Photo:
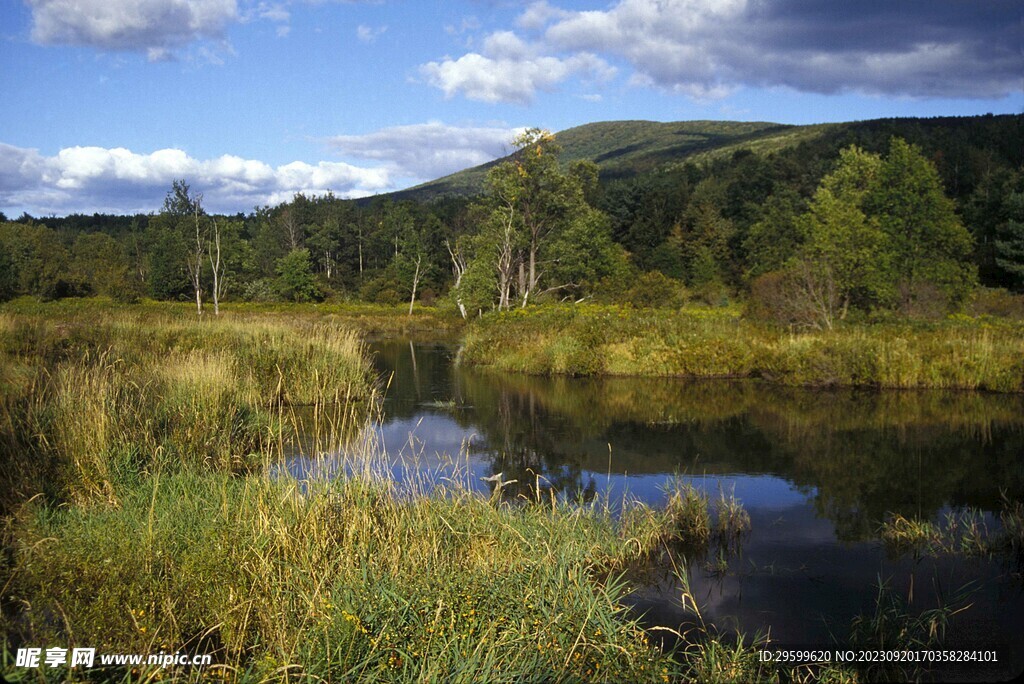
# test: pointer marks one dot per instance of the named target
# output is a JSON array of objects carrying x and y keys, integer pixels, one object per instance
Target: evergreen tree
[{"x": 1009, "y": 242}]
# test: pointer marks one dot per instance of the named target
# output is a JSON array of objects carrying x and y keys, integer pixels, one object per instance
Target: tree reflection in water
[{"x": 817, "y": 470}]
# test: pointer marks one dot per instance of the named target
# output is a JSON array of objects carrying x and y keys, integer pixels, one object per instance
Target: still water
[{"x": 817, "y": 471}]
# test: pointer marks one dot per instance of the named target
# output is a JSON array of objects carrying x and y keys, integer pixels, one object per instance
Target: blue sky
[{"x": 108, "y": 101}]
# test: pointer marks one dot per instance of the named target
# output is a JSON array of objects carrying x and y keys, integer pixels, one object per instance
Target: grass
[
  {"x": 962, "y": 532},
  {"x": 958, "y": 353},
  {"x": 347, "y": 579},
  {"x": 140, "y": 516},
  {"x": 891, "y": 626},
  {"x": 365, "y": 318},
  {"x": 94, "y": 397}
]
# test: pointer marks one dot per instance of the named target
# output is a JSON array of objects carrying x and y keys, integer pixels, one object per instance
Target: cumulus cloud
[
  {"x": 703, "y": 48},
  {"x": 117, "y": 180},
  {"x": 706, "y": 49},
  {"x": 508, "y": 69},
  {"x": 151, "y": 26},
  {"x": 156, "y": 28},
  {"x": 538, "y": 14},
  {"x": 426, "y": 151}
]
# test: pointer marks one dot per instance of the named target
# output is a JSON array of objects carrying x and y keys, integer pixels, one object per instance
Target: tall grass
[
  {"x": 140, "y": 516},
  {"x": 960, "y": 353},
  {"x": 342, "y": 580},
  {"x": 107, "y": 395},
  {"x": 963, "y": 532},
  {"x": 161, "y": 528}
]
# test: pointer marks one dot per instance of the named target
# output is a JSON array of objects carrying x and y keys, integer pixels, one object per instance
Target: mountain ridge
[{"x": 629, "y": 148}]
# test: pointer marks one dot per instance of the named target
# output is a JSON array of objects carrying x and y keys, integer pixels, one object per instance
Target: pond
[{"x": 818, "y": 471}]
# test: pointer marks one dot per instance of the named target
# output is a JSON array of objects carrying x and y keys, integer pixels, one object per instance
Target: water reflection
[
  {"x": 817, "y": 471},
  {"x": 855, "y": 454}
]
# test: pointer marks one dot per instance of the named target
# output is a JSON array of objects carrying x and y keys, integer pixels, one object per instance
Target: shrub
[
  {"x": 655, "y": 289},
  {"x": 996, "y": 302},
  {"x": 295, "y": 278}
]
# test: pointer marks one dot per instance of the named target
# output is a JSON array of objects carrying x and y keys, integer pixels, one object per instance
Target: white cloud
[
  {"x": 153, "y": 26},
  {"x": 86, "y": 179},
  {"x": 156, "y": 28},
  {"x": 422, "y": 152},
  {"x": 367, "y": 34},
  {"x": 707, "y": 48},
  {"x": 273, "y": 12},
  {"x": 89, "y": 179},
  {"x": 539, "y": 14},
  {"x": 508, "y": 69}
]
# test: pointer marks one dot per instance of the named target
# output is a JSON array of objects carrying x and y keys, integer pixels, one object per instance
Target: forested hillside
[{"x": 901, "y": 214}]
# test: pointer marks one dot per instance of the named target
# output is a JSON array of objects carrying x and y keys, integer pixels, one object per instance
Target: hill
[{"x": 625, "y": 149}]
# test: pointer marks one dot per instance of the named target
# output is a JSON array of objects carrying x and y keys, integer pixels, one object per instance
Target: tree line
[{"x": 808, "y": 234}]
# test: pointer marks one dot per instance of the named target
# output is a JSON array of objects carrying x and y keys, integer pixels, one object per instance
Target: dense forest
[{"x": 904, "y": 215}]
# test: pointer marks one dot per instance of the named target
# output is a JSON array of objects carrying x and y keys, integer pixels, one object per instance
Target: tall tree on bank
[
  {"x": 928, "y": 244},
  {"x": 185, "y": 211},
  {"x": 843, "y": 245},
  {"x": 877, "y": 233},
  {"x": 1009, "y": 241},
  {"x": 538, "y": 233},
  {"x": 537, "y": 198}
]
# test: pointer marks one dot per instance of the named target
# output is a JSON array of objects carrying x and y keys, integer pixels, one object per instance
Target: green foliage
[
  {"x": 295, "y": 278},
  {"x": 841, "y": 240},
  {"x": 40, "y": 261},
  {"x": 877, "y": 232},
  {"x": 711, "y": 203},
  {"x": 1009, "y": 242},
  {"x": 776, "y": 236},
  {"x": 703, "y": 238},
  {"x": 926, "y": 240},
  {"x": 650, "y": 289},
  {"x": 385, "y": 288},
  {"x": 8, "y": 275},
  {"x": 584, "y": 255},
  {"x": 539, "y": 235},
  {"x": 702, "y": 342},
  {"x": 101, "y": 263},
  {"x": 168, "y": 278}
]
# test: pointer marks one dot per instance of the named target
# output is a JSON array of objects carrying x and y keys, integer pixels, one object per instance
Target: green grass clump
[
  {"x": 348, "y": 579},
  {"x": 964, "y": 532},
  {"x": 687, "y": 509},
  {"x": 959, "y": 353},
  {"x": 104, "y": 396},
  {"x": 160, "y": 527}
]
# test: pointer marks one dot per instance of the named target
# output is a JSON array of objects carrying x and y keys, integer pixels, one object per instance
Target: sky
[{"x": 107, "y": 102}]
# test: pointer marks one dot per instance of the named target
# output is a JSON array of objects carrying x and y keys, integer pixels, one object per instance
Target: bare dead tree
[
  {"x": 215, "y": 266},
  {"x": 195, "y": 259},
  {"x": 506, "y": 254},
  {"x": 415, "y": 281},
  {"x": 815, "y": 299},
  {"x": 291, "y": 228},
  {"x": 458, "y": 269}
]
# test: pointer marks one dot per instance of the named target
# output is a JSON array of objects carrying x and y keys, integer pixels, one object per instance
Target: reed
[
  {"x": 163, "y": 526},
  {"x": 963, "y": 532},
  {"x": 958, "y": 353}
]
